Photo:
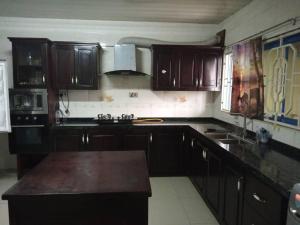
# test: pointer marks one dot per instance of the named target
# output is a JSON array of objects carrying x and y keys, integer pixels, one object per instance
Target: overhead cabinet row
[
  {"x": 40, "y": 63},
  {"x": 187, "y": 68}
]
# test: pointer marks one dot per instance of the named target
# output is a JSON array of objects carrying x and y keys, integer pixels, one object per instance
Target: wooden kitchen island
[{"x": 83, "y": 188}]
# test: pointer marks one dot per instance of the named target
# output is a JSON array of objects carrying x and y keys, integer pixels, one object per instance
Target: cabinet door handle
[
  {"x": 43, "y": 78},
  {"x": 82, "y": 139},
  {"x": 192, "y": 143},
  {"x": 76, "y": 80},
  {"x": 183, "y": 137},
  {"x": 163, "y": 71},
  {"x": 174, "y": 82},
  {"x": 197, "y": 82},
  {"x": 72, "y": 80},
  {"x": 239, "y": 183},
  {"x": 204, "y": 154},
  {"x": 258, "y": 198},
  {"x": 150, "y": 138},
  {"x": 87, "y": 139}
]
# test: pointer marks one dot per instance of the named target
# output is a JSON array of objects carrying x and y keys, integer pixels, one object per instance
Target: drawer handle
[
  {"x": 258, "y": 198},
  {"x": 294, "y": 212}
]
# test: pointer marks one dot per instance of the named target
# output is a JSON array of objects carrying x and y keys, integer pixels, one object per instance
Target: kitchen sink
[
  {"x": 229, "y": 141},
  {"x": 217, "y": 135}
]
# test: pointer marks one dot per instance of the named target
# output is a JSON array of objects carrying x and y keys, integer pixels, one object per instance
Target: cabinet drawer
[
  {"x": 263, "y": 199},
  {"x": 250, "y": 217}
]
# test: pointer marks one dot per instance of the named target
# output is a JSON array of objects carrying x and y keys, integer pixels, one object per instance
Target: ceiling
[{"x": 186, "y": 11}]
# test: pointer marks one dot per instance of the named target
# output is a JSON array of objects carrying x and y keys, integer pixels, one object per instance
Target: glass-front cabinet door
[{"x": 30, "y": 60}]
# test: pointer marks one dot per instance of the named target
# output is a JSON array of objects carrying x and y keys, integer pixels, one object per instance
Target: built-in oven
[
  {"x": 28, "y": 101},
  {"x": 29, "y": 133}
]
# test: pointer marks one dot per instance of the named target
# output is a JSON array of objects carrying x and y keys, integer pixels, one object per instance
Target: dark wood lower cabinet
[
  {"x": 67, "y": 140},
  {"x": 233, "y": 193},
  {"x": 251, "y": 217},
  {"x": 234, "y": 196},
  {"x": 166, "y": 152},
  {"x": 199, "y": 165},
  {"x": 102, "y": 140},
  {"x": 213, "y": 181}
]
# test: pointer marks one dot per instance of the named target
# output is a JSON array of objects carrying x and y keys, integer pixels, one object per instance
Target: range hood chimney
[{"x": 125, "y": 60}]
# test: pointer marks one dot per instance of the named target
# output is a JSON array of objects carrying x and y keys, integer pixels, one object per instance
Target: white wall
[
  {"x": 257, "y": 16},
  {"x": 114, "y": 94}
]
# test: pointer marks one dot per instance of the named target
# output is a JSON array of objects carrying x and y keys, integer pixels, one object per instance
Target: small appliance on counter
[
  {"x": 293, "y": 214},
  {"x": 263, "y": 135}
]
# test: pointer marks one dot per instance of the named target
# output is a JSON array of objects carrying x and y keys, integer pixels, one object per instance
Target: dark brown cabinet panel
[
  {"x": 86, "y": 66},
  {"x": 199, "y": 165},
  {"x": 68, "y": 140},
  {"x": 213, "y": 181},
  {"x": 187, "y": 68},
  {"x": 63, "y": 62},
  {"x": 188, "y": 77},
  {"x": 164, "y": 63},
  {"x": 30, "y": 62},
  {"x": 75, "y": 65},
  {"x": 211, "y": 70},
  {"x": 233, "y": 189},
  {"x": 251, "y": 217},
  {"x": 102, "y": 140},
  {"x": 166, "y": 152},
  {"x": 264, "y": 200}
]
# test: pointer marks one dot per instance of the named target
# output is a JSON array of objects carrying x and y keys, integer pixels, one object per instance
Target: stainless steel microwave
[{"x": 28, "y": 101}]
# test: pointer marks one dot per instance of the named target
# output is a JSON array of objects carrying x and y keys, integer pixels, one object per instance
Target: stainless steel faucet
[{"x": 244, "y": 135}]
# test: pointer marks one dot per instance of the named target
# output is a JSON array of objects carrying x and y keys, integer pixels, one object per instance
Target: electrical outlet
[{"x": 133, "y": 94}]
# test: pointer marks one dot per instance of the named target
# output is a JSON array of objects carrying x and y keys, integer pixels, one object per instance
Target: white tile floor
[{"x": 174, "y": 201}]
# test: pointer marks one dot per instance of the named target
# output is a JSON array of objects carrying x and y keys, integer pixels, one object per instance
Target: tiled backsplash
[{"x": 113, "y": 97}]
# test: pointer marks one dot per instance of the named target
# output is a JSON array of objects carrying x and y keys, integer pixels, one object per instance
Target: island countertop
[{"x": 104, "y": 173}]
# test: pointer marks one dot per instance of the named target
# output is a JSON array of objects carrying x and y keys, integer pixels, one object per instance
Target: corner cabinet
[
  {"x": 186, "y": 68},
  {"x": 75, "y": 65}
]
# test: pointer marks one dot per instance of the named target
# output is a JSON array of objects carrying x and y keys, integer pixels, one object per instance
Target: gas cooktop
[{"x": 108, "y": 118}]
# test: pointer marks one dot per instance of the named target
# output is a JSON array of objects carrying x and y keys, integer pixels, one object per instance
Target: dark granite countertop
[{"x": 276, "y": 163}]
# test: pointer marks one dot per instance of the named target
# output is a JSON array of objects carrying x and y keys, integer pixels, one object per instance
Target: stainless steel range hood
[{"x": 125, "y": 60}]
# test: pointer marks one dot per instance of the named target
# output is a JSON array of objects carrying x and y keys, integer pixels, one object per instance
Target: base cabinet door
[
  {"x": 68, "y": 140},
  {"x": 251, "y": 217},
  {"x": 166, "y": 152},
  {"x": 213, "y": 181},
  {"x": 199, "y": 165},
  {"x": 137, "y": 140},
  {"x": 102, "y": 140},
  {"x": 233, "y": 185}
]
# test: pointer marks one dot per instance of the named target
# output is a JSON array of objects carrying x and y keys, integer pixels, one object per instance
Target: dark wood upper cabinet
[
  {"x": 75, "y": 65},
  {"x": 30, "y": 62},
  {"x": 187, "y": 68},
  {"x": 210, "y": 77},
  {"x": 164, "y": 62},
  {"x": 86, "y": 66},
  {"x": 188, "y": 77},
  {"x": 63, "y": 62}
]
